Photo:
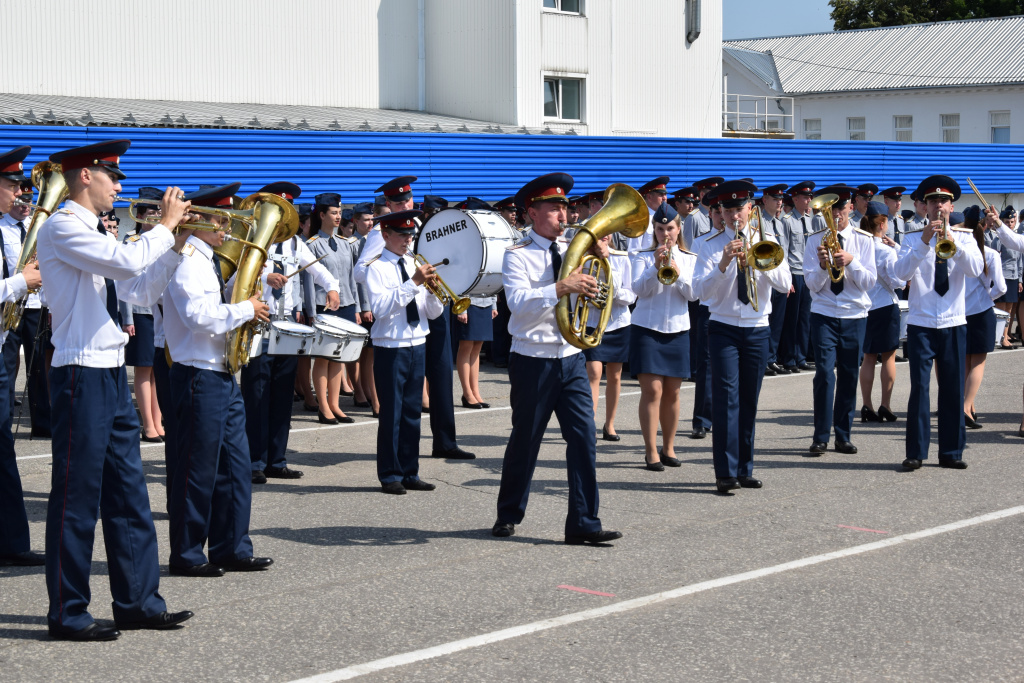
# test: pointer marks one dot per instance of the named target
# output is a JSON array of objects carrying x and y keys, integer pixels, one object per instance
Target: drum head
[
  {"x": 333, "y": 323},
  {"x": 293, "y": 328},
  {"x": 454, "y": 235}
]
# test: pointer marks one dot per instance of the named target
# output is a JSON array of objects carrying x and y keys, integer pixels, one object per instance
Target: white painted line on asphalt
[{"x": 636, "y": 603}]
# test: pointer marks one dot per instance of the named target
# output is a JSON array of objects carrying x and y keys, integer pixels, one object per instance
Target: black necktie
[
  {"x": 803, "y": 221},
  {"x": 412, "y": 314},
  {"x": 941, "y": 276},
  {"x": 21, "y": 226},
  {"x": 111, "y": 289},
  {"x": 332, "y": 243},
  {"x": 3, "y": 253},
  {"x": 556, "y": 260},
  {"x": 278, "y": 268},
  {"x": 215, "y": 260},
  {"x": 741, "y": 283},
  {"x": 837, "y": 287}
]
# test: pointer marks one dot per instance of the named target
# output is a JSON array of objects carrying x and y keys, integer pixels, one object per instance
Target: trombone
[
  {"x": 440, "y": 288},
  {"x": 245, "y": 217}
]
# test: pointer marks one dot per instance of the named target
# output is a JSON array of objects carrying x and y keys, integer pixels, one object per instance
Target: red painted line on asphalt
[
  {"x": 587, "y": 591},
  {"x": 858, "y": 528}
]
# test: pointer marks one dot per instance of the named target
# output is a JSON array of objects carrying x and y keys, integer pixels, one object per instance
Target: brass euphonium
[
  {"x": 48, "y": 180},
  {"x": 624, "y": 211},
  {"x": 830, "y": 240},
  {"x": 944, "y": 247},
  {"x": 763, "y": 255}
]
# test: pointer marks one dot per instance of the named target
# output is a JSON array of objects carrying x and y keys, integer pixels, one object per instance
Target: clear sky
[{"x": 760, "y": 18}]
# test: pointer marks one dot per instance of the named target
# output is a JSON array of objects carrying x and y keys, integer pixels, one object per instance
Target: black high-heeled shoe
[
  {"x": 474, "y": 406},
  {"x": 346, "y": 393},
  {"x": 868, "y": 415},
  {"x": 668, "y": 459},
  {"x": 886, "y": 414},
  {"x": 971, "y": 422},
  {"x": 326, "y": 420},
  {"x": 609, "y": 437},
  {"x": 654, "y": 466},
  {"x": 483, "y": 404}
]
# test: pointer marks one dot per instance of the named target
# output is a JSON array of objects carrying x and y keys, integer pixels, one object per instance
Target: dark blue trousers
[
  {"x": 541, "y": 386},
  {"x": 738, "y": 359},
  {"x": 162, "y": 379},
  {"x": 838, "y": 343},
  {"x": 793, "y": 345},
  {"x": 268, "y": 383},
  {"x": 25, "y": 338},
  {"x": 439, "y": 368},
  {"x": 776, "y": 323},
  {"x": 211, "y": 494},
  {"x": 701, "y": 370},
  {"x": 948, "y": 346},
  {"x": 398, "y": 375},
  {"x": 13, "y": 518},
  {"x": 502, "y": 340},
  {"x": 97, "y": 472}
]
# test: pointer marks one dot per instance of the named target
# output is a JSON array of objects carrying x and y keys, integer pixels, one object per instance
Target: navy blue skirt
[
  {"x": 882, "y": 333},
  {"x": 478, "y": 326},
  {"x": 1011, "y": 292},
  {"x": 981, "y": 332},
  {"x": 346, "y": 312},
  {"x": 659, "y": 353},
  {"x": 139, "y": 351},
  {"x": 614, "y": 346}
]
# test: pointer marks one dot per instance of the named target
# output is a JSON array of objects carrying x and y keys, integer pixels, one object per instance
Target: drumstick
[
  {"x": 978, "y": 195},
  {"x": 289, "y": 277}
]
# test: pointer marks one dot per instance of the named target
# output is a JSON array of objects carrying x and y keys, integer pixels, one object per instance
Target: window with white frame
[
  {"x": 999, "y": 121},
  {"x": 563, "y": 98},
  {"x": 855, "y": 128},
  {"x": 903, "y": 128},
  {"x": 950, "y": 127},
  {"x": 812, "y": 129},
  {"x": 568, "y": 6}
]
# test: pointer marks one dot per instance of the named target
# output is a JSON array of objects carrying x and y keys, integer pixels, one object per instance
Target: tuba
[
  {"x": 47, "y": 178},
  {"x": 624, "y": 211},
  {"x": 830, "y": 240},
  {"x": 274, "y": 220}
]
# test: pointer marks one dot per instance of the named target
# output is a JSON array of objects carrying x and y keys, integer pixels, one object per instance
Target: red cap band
[
  {"x": 74, "y": 163},
  {"x": 12, "y": 168},
  {"x": 398, "y": 190}
]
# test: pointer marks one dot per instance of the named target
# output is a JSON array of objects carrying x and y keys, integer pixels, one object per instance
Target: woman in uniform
[
  {"x": 979, "y": 294},
  {"x": 472, "y": 329}
]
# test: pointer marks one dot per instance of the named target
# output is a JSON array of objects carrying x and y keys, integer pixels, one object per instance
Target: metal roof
[
  {"x": 98, "y": 111},
  {"x": 760, "y": 64},
  {"x": 944, "y": 54}
]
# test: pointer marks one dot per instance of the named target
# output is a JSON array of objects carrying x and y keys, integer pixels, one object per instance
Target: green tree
[{"x": 851, "y": 14}]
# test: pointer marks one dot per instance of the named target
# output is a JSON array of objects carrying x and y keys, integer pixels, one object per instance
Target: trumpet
[
  {"x": 440, "y": 288},
  {"x": 944, "y": 247},
  {"x": 667, "y": 273}
]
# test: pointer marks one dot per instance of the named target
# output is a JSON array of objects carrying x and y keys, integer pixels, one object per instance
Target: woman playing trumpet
[{"x": 659, "y": 342}]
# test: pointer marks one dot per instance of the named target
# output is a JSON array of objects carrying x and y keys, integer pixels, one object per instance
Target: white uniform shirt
[
  {"x": 855, "y": 299},
  {"x": 12, "y": 250},
  {"x": 74, "y": 259},
  {"x": 884, "y": 292},
  {"x": 294, "y": 255},
  {"x": 389, "y": 296},
  {"x": 196, "y": 321},
  {"x": 623, "y": 295},
  {"x": 983, "y": 290},
  {"x": 696, "y": 225},
  {"x": 1010, "y": 239},
  {"x": 373, "y": 246},
  {"x": 659, "y": 307},
  {"x": 916, "y": 264},
  {"x": 719, "y": 291},
  {"x": 529, "y": 280}
]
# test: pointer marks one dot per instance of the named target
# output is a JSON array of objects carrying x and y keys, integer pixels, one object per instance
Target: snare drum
[
  {"x": 904, "y": 313},
  {"x": 474, "y": 242},
  {"x": 337, "y": 339},
  {"x": 289, "y": 338}
]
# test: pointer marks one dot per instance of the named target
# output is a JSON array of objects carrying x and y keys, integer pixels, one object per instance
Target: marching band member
[
  {"x": 1011, "y": 262},
  {"x": 473, "y": 328},
  {"x": 362, "y": 221},
  {"x": 794, "y": 351},
  {"x": 698, "y": 223},
  {"x": 937, "y": 326},
  {"x": 547, "y": 373},
  {"x": 306, "y": 298},
  {"x": 699, "y": 318},
  {"x": 920, "y": 217},
  {"x": 401, "y": 307},
  {"x": 97, "y": 465},
  {"x": 774, "y": 224},
  {"x": 14, "y": 532},
  {"x": 893, "y": 198},
  {"x": 1011, "y": 240},
  {"x": 211, "y": 493},
  {"x": 864, "y": 194},
  {"x": 979, "y": 295},
  {"x": 685, "y": 201},
  {"x": 659, "y": 344},
  {"x": 839, "y": 313},
  {"x": 882, "y": 333},
  {"x": 654, "y": 194},
  {"x": 267, "y": 381},
  {"x": 737, "y": 334}
]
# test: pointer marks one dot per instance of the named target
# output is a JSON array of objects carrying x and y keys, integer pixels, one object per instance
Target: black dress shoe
[
  {"x": 749, "y": 482},
  {"x": 911, "y": 464},
  {"x": 93, "y": 632},
  {"x": 345, "y": 419},
  {"x": 781, "y": 369},
  {"x": 282, "y": 473},
  {"x": 727, "y": 484},
  {"x": 1020, "y": 432},
  {"x": 153, "y": 439},
  {"x": 205, "y": 570},
  {"x": 793, "y": 370},
  {"x": 594, "y": 537},
  {"x": 971, "y": 422},
  {"x": 474, "y": 406},
  {"x": 418, "y": 485},
  {"x": 246, "y": 564},
  {"x": 485, "y": 404},
  {"x": 326, "y": 420},
  {"x": 868, "y": 415},
  {"x": 654, "y": 466},
  {"x": 668, "y": 459},
  {"x": 157, "y": 622},
  {"x": 807, "y": 365},
  {"x": 886, "y": 414},
  {"x": 818, "y": 447},
  {"x": 698, "y": 433},
  {"x": 17, "y": 403},
  {"x": 453, "y": 454},
  {"x": 374, "y": 414},
  {"x": 845, "y": 447},
  {"x": 425, "y": 410},
  {"x": 769, "y": 371},
  {"x": 503, "y": 529},
  {"x": 953, "y": 464},
  {"x": 395, "y": 488},
  {"x": 259, "y": 477},
  {"x": 25, "y": 559},
  {"x": 44, "y": 433},
  {"x": 310, "y": 409},
  {"x": 361, "y": 404},
  {"x": 609, "y": 437},
  {"x": 901, "y": 359}
]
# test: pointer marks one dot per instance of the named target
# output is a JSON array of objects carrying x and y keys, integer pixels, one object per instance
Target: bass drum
[{"x": 474, "y": 242}]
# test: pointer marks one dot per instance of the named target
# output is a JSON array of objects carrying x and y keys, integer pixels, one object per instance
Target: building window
[
  {"x": 570, "y": 6},
  {"x": 950, "y": 127},
  {"x": 812, "y": 129},
  {"x": 855, "y": 128},
  {"x": 1000, "y": 123},
  {"x": 903, "y": 128},
  {"x": 563, "y": 99}
]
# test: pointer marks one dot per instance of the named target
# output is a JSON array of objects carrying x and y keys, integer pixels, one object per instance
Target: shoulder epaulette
[
  {"x": 67, "y": 211},
  {"x": 650, "y": 248},
  {"x": 812, "y": 234},
  {"x": 863, "y": 232},
  {"x": 350, "y": 240},
  {"x": 519, "y": 244},
  {"x": 133, "y": 238},
  {"x": 188, "y": 250},
  {"x": 687, "y": 251},
  {"x": 962, "y": 229},
  {"x": 373, "y": 259},
  {"x": 618, "y": 252},
  {"x": 910, "y": 232},
  {"x": 312, "y": 239}
]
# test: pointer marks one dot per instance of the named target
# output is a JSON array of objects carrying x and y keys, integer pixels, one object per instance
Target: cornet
[
  {"x": 440, "y": 288},
  {"x": 667, "y": 273},
  {"x": 944, "y": 247}
]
